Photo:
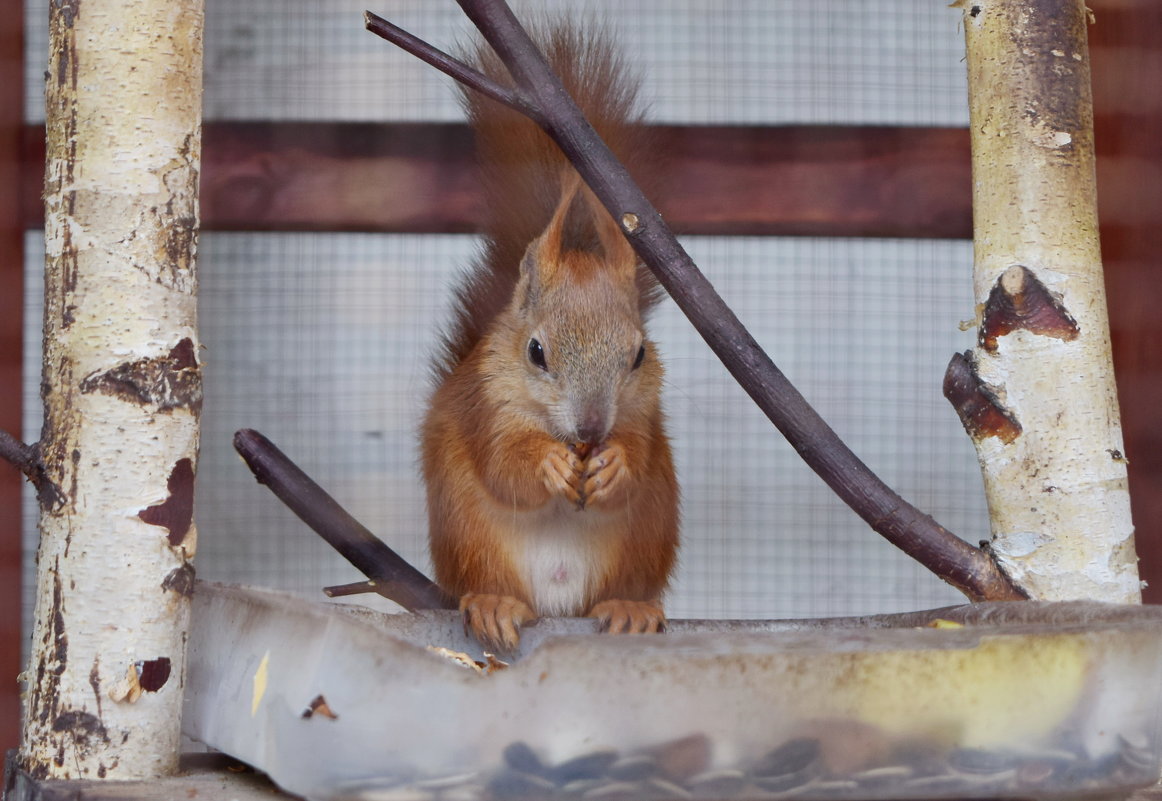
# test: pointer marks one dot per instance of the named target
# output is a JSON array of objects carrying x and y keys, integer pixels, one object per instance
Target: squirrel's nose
[{"x": 593, "y": 428}]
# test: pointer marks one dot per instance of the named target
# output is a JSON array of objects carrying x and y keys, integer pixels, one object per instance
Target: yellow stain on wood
[{"x": 260, "y": 680}]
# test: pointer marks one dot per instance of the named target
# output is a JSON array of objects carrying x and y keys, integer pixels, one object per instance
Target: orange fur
[{"x": 550, "y": 482}]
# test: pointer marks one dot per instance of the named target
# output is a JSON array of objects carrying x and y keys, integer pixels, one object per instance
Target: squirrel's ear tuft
[
  {"x": 544, "y": 255},
  {"x": 528, "y": 286},
  {"x": 619, "y": 254}
]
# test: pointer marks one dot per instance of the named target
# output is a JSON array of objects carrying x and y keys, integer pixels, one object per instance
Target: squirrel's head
[{"x": 576, "y": 326}]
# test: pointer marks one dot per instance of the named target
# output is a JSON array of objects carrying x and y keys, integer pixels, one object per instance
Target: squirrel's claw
[
  {"x": 495, "y": 620},
  {"x": 629, "y": 617},
  {"x": 605, "y": 471},
  {"x": 561, "y": 470}
]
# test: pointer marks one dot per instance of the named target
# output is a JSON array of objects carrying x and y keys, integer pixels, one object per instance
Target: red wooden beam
[
  {"x": 730, "y": 180},
  {"x": 12, "y": 170},
  {"x": 1126, "y": 45},
  {"x": 819, "y": 180}
]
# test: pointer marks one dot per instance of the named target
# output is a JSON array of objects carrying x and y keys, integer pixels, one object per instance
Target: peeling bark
[
  {"x": 172, "y": 381},
  {"x": 1037, "y": 394},
  {"x": 176, "y": 513},
  {"x": 122, "y": 389},
  {"x": 981, "y": 411}
]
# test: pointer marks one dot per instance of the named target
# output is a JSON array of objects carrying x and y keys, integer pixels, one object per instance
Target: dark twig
[
  {"x": 354, "y": 588},
  {"x": 390, "y": 575},
  {"x": 23, "y": 457},
  {"x": 26, "y": 459},
  {"x": 450, "y": 66},
  {"x": 960, "y": 564}
]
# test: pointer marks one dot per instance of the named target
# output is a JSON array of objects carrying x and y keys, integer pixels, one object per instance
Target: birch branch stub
[
  {"x": 122, "y": 390},
  {"x": 1037, "y": 394}
]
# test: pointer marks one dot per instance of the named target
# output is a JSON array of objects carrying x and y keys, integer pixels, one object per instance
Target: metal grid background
[{"x": 321, "y": 340}]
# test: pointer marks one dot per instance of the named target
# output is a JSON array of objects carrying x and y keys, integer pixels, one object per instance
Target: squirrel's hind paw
[{"x": 629, "y": 617}]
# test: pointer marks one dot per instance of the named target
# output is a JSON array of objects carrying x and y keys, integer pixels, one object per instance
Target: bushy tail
[{"x": 522, "y": 169}]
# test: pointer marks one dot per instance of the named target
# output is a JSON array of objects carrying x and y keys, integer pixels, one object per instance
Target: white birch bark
[
  {"x": 122, "y": 390},
  {"x": 1043, "y": 410}
]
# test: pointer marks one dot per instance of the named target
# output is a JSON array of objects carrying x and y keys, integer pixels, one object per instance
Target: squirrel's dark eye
[
  {"x": 537, "y": 354},
  {"x": 641, "y": 356}
]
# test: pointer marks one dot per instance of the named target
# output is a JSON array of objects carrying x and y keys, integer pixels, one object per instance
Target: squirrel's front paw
[
  {"x": 495, "y": 620},
  {"x": 604, "y": 474},
  {"x": 562, "y": 470},
  {"x": 629, "y": 617}
]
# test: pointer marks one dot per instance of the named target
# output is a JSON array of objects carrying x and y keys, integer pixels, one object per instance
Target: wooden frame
[
  {"x": 728, "y": 180},
  {"x": 809, "y": 181}
]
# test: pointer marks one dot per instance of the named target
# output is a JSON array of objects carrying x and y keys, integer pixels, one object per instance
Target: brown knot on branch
[{"x": 1019, "y": 300}]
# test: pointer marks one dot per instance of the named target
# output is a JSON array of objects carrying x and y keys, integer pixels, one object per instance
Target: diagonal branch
[
  {"x": 967, "y": 568},
  {"x": 390, "y": 576}
]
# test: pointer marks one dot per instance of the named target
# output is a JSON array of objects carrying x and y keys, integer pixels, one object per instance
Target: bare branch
[
  {"x": 23, "y": 457},
  {"x": 26, "y": 459},
  {"x": 969, "y": 569},
  {"x": 450, "y": 65},
  {"x": 354, "y": 588},
  {"x": 391, "y": 576}
]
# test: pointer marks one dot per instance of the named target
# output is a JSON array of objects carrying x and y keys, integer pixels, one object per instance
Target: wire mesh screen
[
  {"x": 343, "y": 387},
  {"x": 321, "y": 341},
  {"x": 705, "y": 61}
]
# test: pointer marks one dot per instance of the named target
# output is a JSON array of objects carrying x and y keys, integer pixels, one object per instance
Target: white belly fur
[{"x": 559, "y": 555}]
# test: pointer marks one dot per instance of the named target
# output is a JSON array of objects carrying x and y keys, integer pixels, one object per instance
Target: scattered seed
[
  {"x": 587, "y": 766},
  {"x": 465, "y": 792},
  {"x": 404, "y": 793},
  {"x": 515, "y": 784},
  {"x": 681, "y": 759},
  {"x": 444, "y": 782},
  {"x": 581, "y": 786},
  {"x": 718, "y": 784},
  {"x": 1033, "y": 773},
  {"x": 888, "y": 774},
  {"x": 612, "y": 790},
  {"x": 668, "y": 789},
  {"x": 935, "y": 784},
  {"x": 781, "y": 784},
  {"x": 679, "y": 771},
  {"x": 979, "y": 761},
  {"x": 793, "y": 756},
  {"x": 633, "y": 768},
  {"x": 520, "y": 757},
  {"x": 833, "y": 787}
]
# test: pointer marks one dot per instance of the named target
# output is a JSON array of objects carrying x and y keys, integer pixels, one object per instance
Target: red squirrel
[{"x": 550, "y": 482}]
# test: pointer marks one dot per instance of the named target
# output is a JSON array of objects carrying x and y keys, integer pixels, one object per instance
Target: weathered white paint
[
  {"x": 122, "y": 389},
  {"x": 1057, "y": 494}
]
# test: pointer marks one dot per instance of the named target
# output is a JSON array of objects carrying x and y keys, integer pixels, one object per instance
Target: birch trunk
[
  {"x": 122, "y": 390},
  {"x": 1037, "y": 394}
]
